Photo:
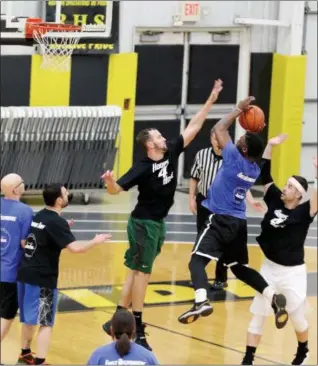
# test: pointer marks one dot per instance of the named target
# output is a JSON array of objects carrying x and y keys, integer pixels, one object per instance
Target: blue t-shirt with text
[
  {"x": 16, "y": 218},
  {"x": 108, "y": 355},
  {"x": 226, "y": 195}
]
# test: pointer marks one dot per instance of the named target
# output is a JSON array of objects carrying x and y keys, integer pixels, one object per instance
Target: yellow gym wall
[
  {"x": 286, "y": 114},
  {"x": 121, "y": 91},
  {"x": 48, "y": 88}
]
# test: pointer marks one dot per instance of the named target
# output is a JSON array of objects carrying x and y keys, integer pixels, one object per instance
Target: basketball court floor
[{"x": 90, "y": 285}]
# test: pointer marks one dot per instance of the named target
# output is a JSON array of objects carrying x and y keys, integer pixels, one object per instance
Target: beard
[
  {"x": 65, "y": 204},
  {"x": 163, "y": 149},
  {"x": 68, "y": 200}
]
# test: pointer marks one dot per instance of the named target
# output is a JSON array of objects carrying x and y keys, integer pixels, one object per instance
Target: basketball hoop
[{"x": 56, "y": 42}]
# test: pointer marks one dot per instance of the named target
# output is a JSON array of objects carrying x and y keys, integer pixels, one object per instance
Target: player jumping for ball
[
  {"x": 224, "y": 236},
  {"x": 156, "y": 179}
]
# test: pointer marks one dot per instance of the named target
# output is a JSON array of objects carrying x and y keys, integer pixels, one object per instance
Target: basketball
[{"x": 252, "y": 120}]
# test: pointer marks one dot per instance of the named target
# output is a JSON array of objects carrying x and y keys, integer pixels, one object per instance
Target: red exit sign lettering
[{"x": 191, "y": 11}]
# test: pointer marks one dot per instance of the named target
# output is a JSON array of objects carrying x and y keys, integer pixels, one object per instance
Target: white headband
[{"x": 297, "y": 185}]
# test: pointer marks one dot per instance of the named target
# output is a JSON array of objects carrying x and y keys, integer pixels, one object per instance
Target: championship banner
[{"x": 97, "y": 19}]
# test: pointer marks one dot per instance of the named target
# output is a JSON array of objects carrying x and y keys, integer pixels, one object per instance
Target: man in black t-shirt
[
  {"x": 284, "y": 230},
  {"x": 156, "y": 178},
  {"x": 39, "y": 269}
]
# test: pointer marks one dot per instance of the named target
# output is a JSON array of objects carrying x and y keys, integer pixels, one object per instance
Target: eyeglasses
[{"x": 22, "y": 182}]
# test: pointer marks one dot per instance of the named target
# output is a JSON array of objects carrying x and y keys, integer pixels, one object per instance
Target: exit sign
[{"x": 190, "y": 11}]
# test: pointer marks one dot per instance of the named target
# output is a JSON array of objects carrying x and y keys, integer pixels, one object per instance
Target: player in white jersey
[{"x": 284, "y": 230}]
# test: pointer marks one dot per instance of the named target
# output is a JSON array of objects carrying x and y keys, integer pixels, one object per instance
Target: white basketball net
[{"x": 56, "y": 51}]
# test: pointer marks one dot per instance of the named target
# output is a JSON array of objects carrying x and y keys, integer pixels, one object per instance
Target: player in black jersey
[
  {"x": 284, "y": 230},
  {"x": 156, "y": 179}
]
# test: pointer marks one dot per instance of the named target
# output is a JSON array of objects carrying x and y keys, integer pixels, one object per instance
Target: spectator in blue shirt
[
  {"x": 16, "y": 218},
  {"x": 122, "y": 351}
]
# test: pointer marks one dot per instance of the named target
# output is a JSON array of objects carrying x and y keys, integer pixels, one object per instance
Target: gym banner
[{"x": 91, "y": 15}]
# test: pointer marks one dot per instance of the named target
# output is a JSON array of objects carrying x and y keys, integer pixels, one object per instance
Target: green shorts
[{"x": 146, "y": 238}]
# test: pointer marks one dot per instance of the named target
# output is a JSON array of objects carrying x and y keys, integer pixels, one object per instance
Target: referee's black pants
[{"x": 202, "y": 216}]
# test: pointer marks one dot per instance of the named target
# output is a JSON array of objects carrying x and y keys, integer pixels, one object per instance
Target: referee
[{"x": 206, "y": 165}]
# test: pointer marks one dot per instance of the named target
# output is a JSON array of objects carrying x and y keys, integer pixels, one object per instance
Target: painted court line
[
  {"x": 173, "y": 242},
  {"x": 168, "y": 232},
  {"x": 167, "y": 222}
]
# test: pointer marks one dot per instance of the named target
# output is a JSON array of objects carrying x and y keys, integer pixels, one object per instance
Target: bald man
[{"x": 16, "y": 218}]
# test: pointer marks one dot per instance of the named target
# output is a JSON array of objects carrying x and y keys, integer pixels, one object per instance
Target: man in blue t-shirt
[
  {"x": 224, "y": 236},
  {"x": 16, "y": 218}
]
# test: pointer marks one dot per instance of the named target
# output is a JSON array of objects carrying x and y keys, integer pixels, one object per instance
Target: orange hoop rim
[{"x": 37, "y": 25}]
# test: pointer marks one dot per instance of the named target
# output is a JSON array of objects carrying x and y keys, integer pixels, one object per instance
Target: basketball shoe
[
  {"x": 301, "y": 356},
  {"x": 106, "y": 327},
  {"x": 279, "y": 307},
  {"x": 198, "y": 309},
  {"x": 27, "y": 359},
  {"x": 141, "y": 337}
]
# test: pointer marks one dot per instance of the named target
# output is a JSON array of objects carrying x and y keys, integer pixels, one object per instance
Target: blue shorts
[{"x": 37, "y": 304}]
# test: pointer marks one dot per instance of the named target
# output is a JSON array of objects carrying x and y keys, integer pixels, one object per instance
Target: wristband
[{"x": 238, "y": 109}]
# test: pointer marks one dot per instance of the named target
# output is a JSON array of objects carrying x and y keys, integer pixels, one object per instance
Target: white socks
[
  {"x": 201, "y": 295},
  {"x": 268, "y": 293}
]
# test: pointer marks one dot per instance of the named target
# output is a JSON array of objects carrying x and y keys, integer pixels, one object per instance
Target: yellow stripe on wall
[
  {"x": 48, "y": 88},
  {"x": 122, "y": 78},
  {"x": 286, "y": 114}
]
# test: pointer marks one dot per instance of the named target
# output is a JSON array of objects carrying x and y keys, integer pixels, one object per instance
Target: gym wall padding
[
  {"x": 48, "y": 88},
  {"x": 121, "y": 91},
  {"x": 286, "y": 114}
]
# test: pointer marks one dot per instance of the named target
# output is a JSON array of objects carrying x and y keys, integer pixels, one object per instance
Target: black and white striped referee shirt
[{"x": 204, "y": 169}]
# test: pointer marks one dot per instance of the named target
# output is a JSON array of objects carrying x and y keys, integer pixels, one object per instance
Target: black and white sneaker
[
  {"x": 197, "y": 310},
  {"x": 141, "y": 338},
  {"x": 279, "y": 307},
  {"x": 301, "y": 356},
  {"x": 219, "y": 285},
  {"x": 106, "y": 327}
]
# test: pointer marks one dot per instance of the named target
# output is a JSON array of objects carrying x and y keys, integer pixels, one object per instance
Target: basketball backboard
[{"x": 98, "y": 19}]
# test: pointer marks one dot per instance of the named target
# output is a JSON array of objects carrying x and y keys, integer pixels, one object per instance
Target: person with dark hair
[
  {"x": 39, "y": 269},
  {"x": 284, "y": 230},
  {"x": 122, "y": 351},
  {"x": 16, "y": 220},
  {"x": 224, "y": 236},
  {"x": 207, "y": 163},
  {"x": 156, "y": 179}
]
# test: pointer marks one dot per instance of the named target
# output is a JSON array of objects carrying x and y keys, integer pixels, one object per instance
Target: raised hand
[
  {"x": 277, "y": 140},
  {"x": 217, "y": 88},
  {"x": 244, "y": 104}
]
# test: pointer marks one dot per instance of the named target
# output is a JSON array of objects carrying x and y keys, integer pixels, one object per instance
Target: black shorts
[
  {"x": 223, "y": 238},
  {"x": 8, "y": 300}
]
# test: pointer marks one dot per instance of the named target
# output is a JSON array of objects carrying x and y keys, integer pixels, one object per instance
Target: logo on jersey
[
  {"x": 30, "y": 246},
  {"x": 163, "y": 172},
  {"x": 279, "y": 220},
  {"x": 246, "y": 178},
  {"x": 8, "y": 218},
  {"x": 239, "y": 195},
  {"x": 5, "y": 238}
]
